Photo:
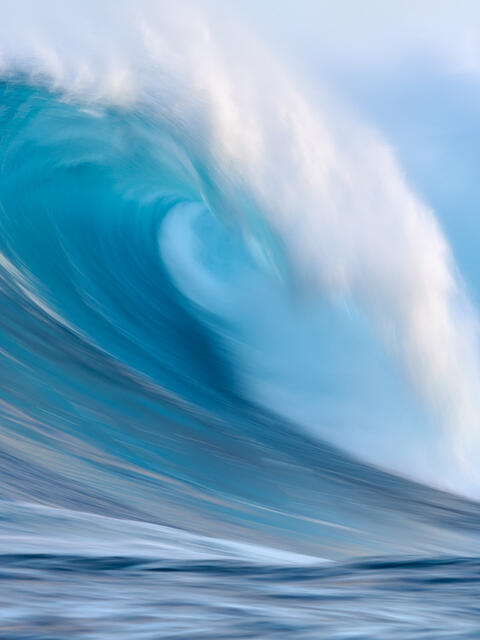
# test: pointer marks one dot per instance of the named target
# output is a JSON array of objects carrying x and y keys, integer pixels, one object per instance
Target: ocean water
[
  {"x": 75, "y": 575},
  {"x": 77, "y": 597},
  {"x": 238, "y": 361}
]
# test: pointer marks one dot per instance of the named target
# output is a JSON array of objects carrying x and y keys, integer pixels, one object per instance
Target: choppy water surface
[
  {"x": 56, "y": 597},
  {"x": 71, "y": 575}
]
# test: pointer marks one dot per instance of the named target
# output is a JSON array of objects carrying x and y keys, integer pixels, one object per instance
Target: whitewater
[{"x": 239, "y": 360}]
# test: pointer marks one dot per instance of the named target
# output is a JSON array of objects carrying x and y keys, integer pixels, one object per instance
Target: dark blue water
[
  {"x": 65, "y": 574},
  {"x": 57, "y": 597}
]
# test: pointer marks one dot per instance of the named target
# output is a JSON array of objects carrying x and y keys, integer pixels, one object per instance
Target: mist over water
[{"x": 239, "y": 326}]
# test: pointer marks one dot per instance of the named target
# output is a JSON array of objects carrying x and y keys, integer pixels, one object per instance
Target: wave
[{"x": 182, "y": 226}]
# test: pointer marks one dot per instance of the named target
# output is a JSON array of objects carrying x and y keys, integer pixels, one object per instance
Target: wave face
[
  {"x": 119, "y": 393},
  {"x": 195, "y": 277}
]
